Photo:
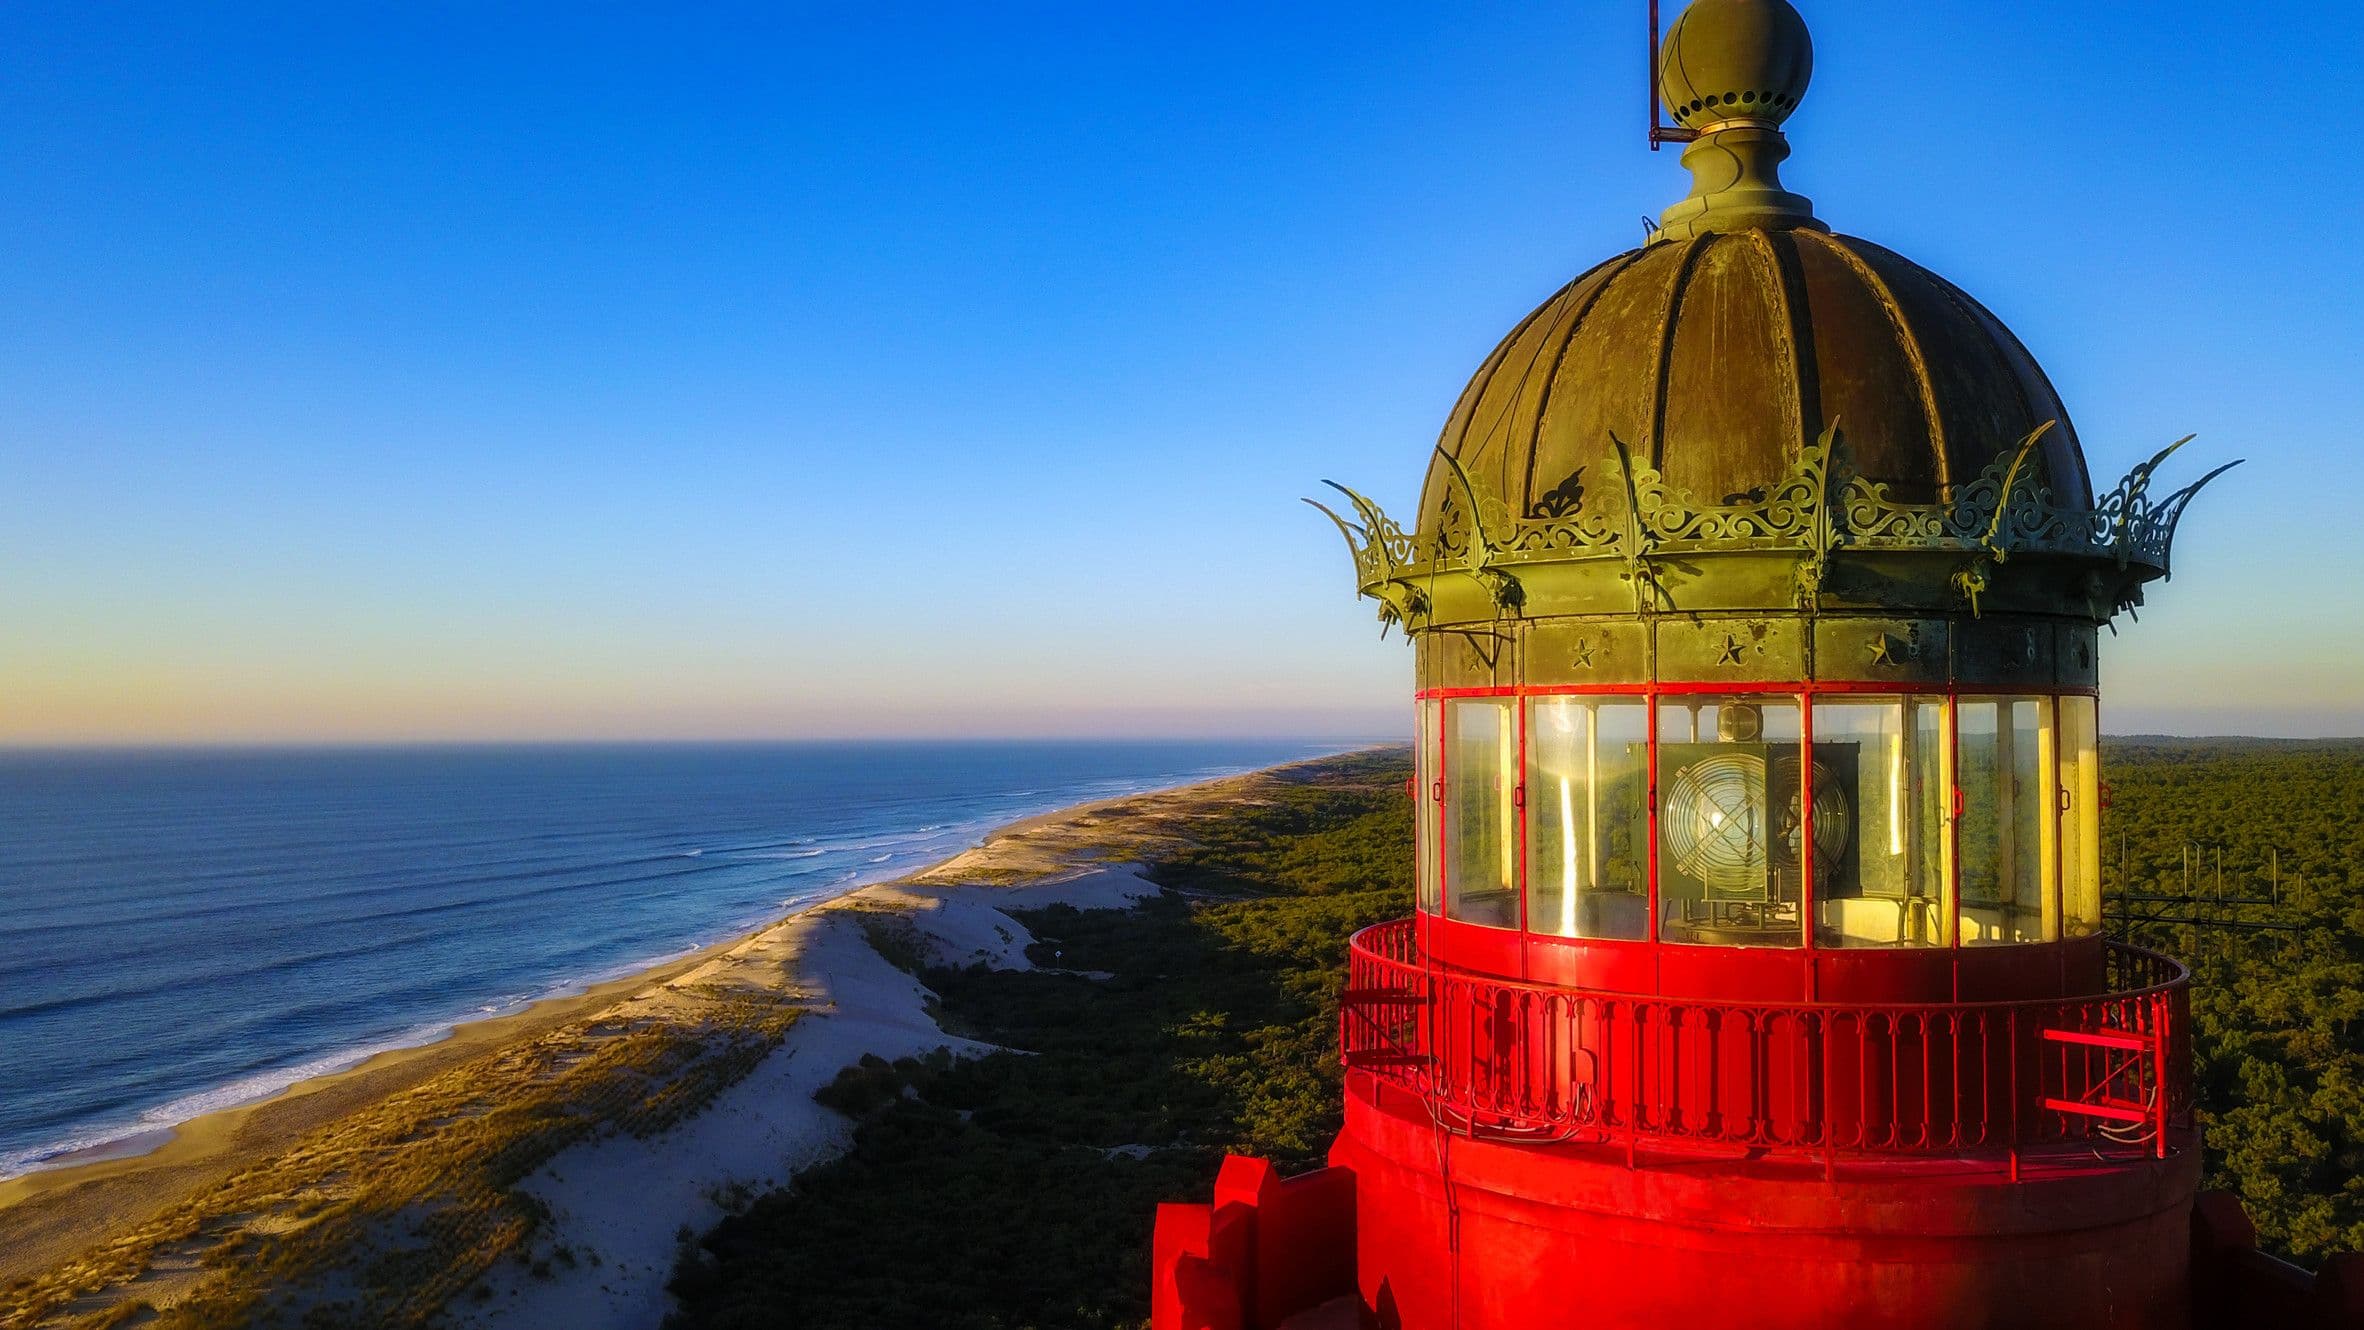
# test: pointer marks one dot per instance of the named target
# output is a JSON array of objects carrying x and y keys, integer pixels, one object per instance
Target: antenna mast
[{"x": 1660, "y": 132}]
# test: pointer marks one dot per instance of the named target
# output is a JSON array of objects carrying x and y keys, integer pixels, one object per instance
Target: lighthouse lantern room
[{"x": 1757, "y": 976}]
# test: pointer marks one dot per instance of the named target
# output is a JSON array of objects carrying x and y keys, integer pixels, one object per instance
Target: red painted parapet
[
  {"x": 1551, "y": 1063},
  {"x": 1300, "y": 1235},
  {"x": 2237, "y": 1287},
  {"x": 1193, "y": 1257},
  {"x": 1266, "y": 1249}
]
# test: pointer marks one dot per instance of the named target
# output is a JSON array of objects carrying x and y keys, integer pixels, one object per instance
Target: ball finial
[
  {"x": 1731, "y": 71},
  {"x": 1744, "y": 61}
]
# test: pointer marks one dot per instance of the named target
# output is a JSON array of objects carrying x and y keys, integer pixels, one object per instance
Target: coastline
[
  {"x": 187, "y": 1155},
  {"x": 837, "y": 997},
  {"x": 155, "y": 1130}
]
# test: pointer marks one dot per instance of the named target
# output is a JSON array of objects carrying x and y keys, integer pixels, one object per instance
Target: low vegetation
[
  {"x": 382, "y": 1218},
  {"x": 2278, "y": 1014},
  {"x": 1018, "y": 1189}
]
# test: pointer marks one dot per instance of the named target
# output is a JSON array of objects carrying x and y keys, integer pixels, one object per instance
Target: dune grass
[
  {"x": 383, "y": 1217},
  {"x": 1018, "y": 1189}
]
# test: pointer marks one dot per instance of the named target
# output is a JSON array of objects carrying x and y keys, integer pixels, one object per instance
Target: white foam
[{"x": 154, "y": 1126}]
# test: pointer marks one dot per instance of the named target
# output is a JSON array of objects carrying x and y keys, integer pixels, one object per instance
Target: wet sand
[
  {"x": 47, "y": 1215},
  {"x": 155, "y": 1227}
]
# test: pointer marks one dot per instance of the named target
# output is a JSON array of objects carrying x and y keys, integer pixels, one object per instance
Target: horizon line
[{"x": 1343, "y": 742}]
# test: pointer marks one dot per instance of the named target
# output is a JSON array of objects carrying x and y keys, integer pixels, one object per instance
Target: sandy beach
[{"x": 541, "y": 1168}]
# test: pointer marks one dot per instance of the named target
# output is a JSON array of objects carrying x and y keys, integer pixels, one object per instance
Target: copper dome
[
  {"x": 1718, "y": 358},
  {"x": 1752, "y": 435}
]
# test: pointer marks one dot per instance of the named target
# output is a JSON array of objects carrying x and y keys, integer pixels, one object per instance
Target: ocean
[{"x": 181, "y": 931}]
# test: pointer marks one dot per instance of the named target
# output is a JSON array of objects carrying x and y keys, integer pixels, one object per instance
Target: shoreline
[
  {"x": 217, "y": 1127},
  {"x": 138, "y": 1142},
  {"x": 141, "y": 1139},
  {"x": 821, "y": 958}
]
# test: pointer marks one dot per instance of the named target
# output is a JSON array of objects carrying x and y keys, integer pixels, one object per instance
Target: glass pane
[
  {"x": 2080, "y": 818},
  {"x": 1879, "y": 855},
  {"x": 1481, "y": 840},
  {"x": 1427, "y": 796},
  {"x": 1731, "y": 830},
  {"x": 1588, "y": 817},
  {"x": 2005, "y": 777},
  {"x": 1933, "y": 739}
]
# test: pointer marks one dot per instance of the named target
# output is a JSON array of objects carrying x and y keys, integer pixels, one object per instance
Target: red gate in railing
[{"x": 1523, "y": 1060}]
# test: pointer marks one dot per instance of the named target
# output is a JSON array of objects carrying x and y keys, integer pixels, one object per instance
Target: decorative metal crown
[{"x": 1819, "y": 512}]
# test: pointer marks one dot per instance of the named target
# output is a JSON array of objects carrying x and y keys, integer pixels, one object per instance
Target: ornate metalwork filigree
[
  {"x": 1789, "y": 514},
  {"x": 1561, "y": 500},
  {"x": 1816, "y": 510},
  {"x": 1481, "y": 556}
]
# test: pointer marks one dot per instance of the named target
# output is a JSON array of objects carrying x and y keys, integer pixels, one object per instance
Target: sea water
[{"x": 185, "y": 930}]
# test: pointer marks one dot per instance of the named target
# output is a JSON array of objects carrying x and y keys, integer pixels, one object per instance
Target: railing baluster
[{"x": 1537, "y": 1058}]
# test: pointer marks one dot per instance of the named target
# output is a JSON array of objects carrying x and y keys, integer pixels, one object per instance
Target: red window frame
[{"x": 1804, "y": 693}]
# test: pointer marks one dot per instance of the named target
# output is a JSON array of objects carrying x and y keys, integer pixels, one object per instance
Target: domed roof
[
  {"x": 1752, "y": 432},
  {"x": 1717, "y": 359}
]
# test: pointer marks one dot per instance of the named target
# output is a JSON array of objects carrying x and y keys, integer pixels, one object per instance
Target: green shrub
[
  {"x": 2278, "y": 1017},
  {"x": 990, "y": 1193}
]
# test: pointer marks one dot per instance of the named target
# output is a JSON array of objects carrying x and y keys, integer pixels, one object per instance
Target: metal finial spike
[{"x": 1345, "y": 528}]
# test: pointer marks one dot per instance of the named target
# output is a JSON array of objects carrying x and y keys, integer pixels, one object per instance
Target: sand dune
[
  {"x": 644, "y": 1110},
  {"x": 626, "y": 1199}
]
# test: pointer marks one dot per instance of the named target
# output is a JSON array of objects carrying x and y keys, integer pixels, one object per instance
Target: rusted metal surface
[
  {"x": 1788, "y": 470},
  {"x": 1753, "y": 417},
  {"x": 1659, "y": 132},
  {"x": 1718, "y": 361},
  {"x": 1730, "y": 72}
]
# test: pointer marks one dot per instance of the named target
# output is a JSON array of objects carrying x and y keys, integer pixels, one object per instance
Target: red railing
[{"x": 1521, "y": 1060}]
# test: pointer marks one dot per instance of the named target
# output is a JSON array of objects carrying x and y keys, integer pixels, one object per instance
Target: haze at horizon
[{"x": 416, "y": 374}]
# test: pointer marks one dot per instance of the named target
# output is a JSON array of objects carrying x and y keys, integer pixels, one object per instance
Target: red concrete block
[
  {"x": 2339, "y": 1293},
  {"x": 1208, "y": 1297},
  {"x": 2221, "y": 1235},
  {"x": 1200, "y": 1256},
  {"x": 1181, "y": 1231},
  {"x": 1304, "y": 1244},
  {"x": 1243, "y": 1180}
]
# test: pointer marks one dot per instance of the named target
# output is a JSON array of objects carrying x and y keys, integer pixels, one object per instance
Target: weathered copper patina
[
  {"x": 1753, "y": 429},
  {"x": 1756, "y": 973}
]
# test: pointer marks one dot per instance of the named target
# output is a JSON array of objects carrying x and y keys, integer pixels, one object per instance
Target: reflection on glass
[
  {"x": 2080, "y": 818},
  {"x": 1588, "y": 811},
  {"x": 2007, "y": 831},
  {"x": 1732, "y": 830},
  {"x": 1933, "y": 742},
  {"x": 1885, "y": 887},
  {"x": 1481, "y": 839},
  {"x": 1427, "y": 797},
  {"x": 1930, "y": 822}
]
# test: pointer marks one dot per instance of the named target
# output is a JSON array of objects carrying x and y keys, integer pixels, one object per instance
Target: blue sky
[{"x": 418, "y": 371}]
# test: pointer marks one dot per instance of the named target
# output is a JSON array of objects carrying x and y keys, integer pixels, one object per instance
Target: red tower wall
[{"x": 1540, "y": 1237}]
